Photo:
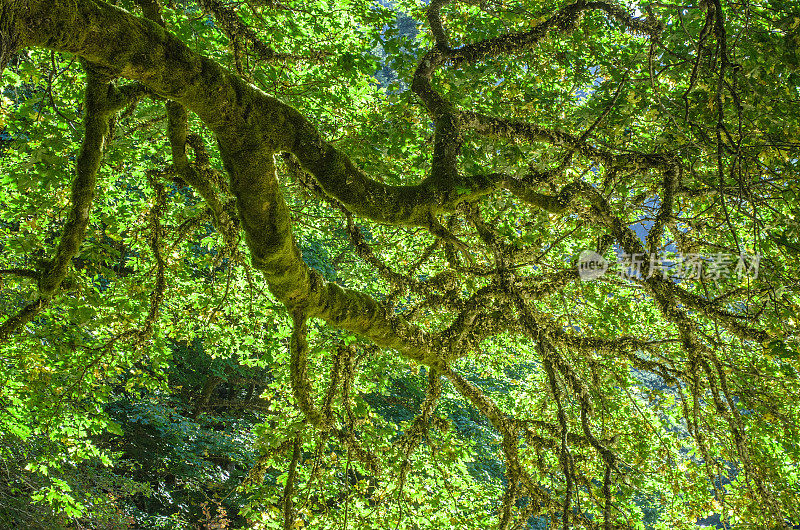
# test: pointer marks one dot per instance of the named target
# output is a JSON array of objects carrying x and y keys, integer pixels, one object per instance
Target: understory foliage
[{"x": 286, "y": 264}]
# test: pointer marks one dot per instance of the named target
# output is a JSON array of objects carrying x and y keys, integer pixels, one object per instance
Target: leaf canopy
[{"x": 374, "y": 219}]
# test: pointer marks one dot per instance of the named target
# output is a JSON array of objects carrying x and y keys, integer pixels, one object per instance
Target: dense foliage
[{"x": 283, "y": 264}]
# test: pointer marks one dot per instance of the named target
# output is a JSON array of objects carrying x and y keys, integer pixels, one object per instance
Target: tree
[{"x": 442, "y": 222}]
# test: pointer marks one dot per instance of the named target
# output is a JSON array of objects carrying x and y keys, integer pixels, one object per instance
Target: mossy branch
[{"x": 101, "y": 100}]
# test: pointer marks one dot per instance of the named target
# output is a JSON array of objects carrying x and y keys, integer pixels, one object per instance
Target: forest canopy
[{"x": 448, "y": 264}]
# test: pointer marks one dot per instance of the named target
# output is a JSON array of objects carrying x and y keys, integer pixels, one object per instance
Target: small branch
[
  {"x": 288, "y": 490},
  {"x": 23, "y": 273},
  {"x": 234, "y": 28}
]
